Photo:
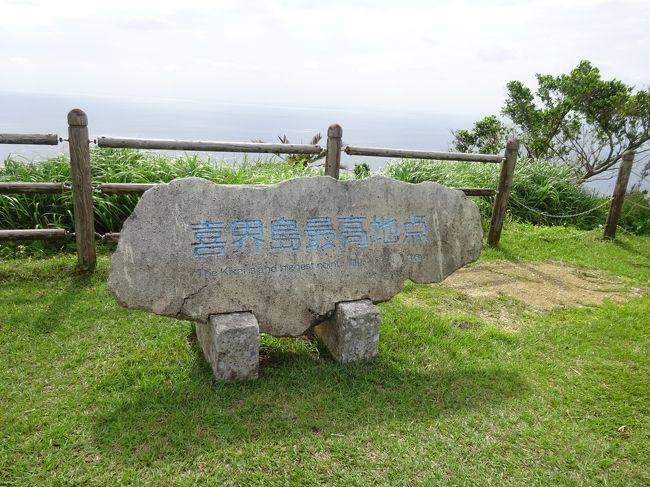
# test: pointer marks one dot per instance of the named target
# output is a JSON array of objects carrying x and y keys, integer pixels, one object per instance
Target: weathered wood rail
[
  {"x": 82, "y": 189},
  {"x": 30, "y": 139},
  {"x": 125, "y": 188},
  {"x": 421, "y": 154},
  {"x": 139, "y": 188},
  {"x": 20, "y": 187},
  {"x": 33, "y": 234},
  {"x": 204, "y": 146}
]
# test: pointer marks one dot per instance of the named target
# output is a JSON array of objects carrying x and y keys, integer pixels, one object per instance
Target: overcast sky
[{"x": 432, "y": 56}]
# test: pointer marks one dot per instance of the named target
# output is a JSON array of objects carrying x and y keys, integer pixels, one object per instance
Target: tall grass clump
[
  {"x": 34, "y": 210},
  {"x": 543, "y": 193},
  {"x": 452, "y": 174},
  {"x": 122, "y": 166}
]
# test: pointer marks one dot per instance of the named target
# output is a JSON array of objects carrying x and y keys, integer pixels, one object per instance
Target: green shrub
[
  {"x": 361, "y": 170},
  {"x": 635, "y": 215}
]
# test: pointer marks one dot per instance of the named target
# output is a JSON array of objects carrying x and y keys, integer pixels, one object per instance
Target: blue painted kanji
[
  {"x": 284, "y": 235},
  {"x": 353, "y": 231},
  {"x": 385, "y": 230},
  {"x": 208, "y": 239},
  {"x": 320, "y": 233},
  {"x": 243, "y": 230},
  {"x": 415, "y": 228}
]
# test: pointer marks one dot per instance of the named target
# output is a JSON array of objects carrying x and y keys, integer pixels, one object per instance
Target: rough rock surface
[
  {"x": 288, "y": 252},
  {"x": 231, "y": 345},
  {"x": 352, "y": 333}
]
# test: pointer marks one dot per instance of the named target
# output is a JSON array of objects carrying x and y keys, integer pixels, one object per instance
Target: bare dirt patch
[{"x": 543, "y": 286}]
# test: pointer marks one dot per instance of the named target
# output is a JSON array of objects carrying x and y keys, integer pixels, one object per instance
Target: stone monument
[{"x": 308, "y": 253}]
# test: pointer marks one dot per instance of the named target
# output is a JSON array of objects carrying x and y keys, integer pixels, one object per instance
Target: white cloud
[{"x": 447, "y": 56}]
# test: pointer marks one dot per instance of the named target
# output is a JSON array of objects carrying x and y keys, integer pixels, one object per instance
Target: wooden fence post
[
  {"x": 618, "y": 196},
  {"x": 501, "y": 201},
  {"x": 84, "y": 219},
  {"x": 333, "y": 160}
]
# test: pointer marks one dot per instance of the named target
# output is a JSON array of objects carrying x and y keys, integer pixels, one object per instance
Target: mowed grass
[{"x": 93, "y": 394}]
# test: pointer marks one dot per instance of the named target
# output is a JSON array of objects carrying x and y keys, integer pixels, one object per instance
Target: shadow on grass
[
  {"x": 297, "y": 397},
  {"x": 632, "y": 249},
  {"x": 61, "y": 303},
  {"x": 53, "y": 298},
  {"x": 501, "y": 252}
]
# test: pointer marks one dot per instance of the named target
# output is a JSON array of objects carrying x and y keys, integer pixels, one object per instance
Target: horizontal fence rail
[
  {"x": 37, "y": 234},
  {"x": 125, "y": 188},
  {"x": 421, "y": 154},
  {"x": 29, "y": 139},
  {"x": 111, "y": 237},
  {"x": 122, "y": 188},
  {"x": 250, "y": 147},
  {"x": 20, "y": 187},
  {"x": 478, "y": 191}
]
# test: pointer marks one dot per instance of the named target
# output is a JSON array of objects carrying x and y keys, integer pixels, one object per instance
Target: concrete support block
[
  {"x": 231, "y": 345},
  {"x": 352, "y": 333}
]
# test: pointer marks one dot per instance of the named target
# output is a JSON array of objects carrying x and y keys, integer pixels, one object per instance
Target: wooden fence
[{"x": 80, "y": 165}]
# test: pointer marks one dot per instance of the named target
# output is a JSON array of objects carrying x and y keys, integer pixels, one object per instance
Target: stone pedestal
[
  {"x": 352, "y": 333},
  {"x": 231, "y": 345}
]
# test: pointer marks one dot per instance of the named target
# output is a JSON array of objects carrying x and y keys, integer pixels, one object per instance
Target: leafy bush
[
  {"x": 303, "y": 160},
  {"x": 361, "y": 170},
  {"x": 635, "y": 215}
]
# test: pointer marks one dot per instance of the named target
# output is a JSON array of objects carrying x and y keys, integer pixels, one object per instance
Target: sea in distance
[{"x": 191, "y": 120}]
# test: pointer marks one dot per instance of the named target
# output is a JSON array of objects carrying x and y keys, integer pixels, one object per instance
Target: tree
[
  {"x": 303, "y": 160},
  {"x": 487, "y": 136},
  {"x": 576, "y": 118}
]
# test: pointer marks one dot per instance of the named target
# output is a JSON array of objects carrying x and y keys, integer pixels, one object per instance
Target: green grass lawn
[{"x": 94, "y": 394}]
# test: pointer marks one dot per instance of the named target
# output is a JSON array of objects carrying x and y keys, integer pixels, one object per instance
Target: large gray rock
[{"x": 288, "y": 252}]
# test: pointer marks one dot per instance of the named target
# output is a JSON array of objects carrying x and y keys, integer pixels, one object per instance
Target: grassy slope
[{"x": 91, "y": 393}]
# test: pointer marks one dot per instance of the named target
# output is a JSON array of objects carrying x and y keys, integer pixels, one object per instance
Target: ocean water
[
  {"x": 176, "y": 119},
  {"x": 172, "y": 119}
]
